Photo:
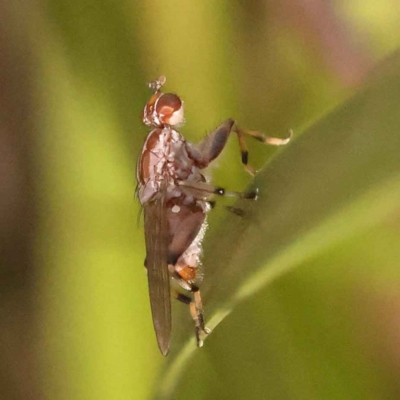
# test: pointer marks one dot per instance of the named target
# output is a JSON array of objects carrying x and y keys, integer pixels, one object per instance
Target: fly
[{"x": 176, "y": 198}]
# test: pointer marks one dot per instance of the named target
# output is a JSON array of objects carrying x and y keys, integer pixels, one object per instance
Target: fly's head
[{"x": 163, "y": 109}]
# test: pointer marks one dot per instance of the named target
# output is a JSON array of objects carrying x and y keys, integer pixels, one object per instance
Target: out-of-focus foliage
[{"x": 74, "y": 304}]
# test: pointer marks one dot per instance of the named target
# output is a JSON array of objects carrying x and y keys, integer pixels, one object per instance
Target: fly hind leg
[{"x": 196, "y": 311}]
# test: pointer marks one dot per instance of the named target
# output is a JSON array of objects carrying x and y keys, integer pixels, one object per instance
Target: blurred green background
[{"x": 75, "y": 320}]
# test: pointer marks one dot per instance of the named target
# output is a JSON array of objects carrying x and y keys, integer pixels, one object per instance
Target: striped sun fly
[{"x": 176, "y": 197}]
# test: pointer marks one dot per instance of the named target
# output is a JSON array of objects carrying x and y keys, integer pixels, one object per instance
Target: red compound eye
[
  {"x": 148, "y": 115},
  {"x": 169, "y": 109}
]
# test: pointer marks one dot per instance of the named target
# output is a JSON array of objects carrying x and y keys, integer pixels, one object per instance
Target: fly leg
[
  {"x": 199, "y": 315},
  {"x": 205, "y": 190},
  {"x": 196, "y": 311},
  {"x": 212, "y": 145}
]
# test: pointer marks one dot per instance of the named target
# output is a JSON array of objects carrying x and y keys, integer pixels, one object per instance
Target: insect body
[{"x": 176, "y": 198}]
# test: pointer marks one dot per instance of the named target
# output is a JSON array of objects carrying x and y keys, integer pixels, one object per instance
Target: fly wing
[{"x": 156, "y": 235}]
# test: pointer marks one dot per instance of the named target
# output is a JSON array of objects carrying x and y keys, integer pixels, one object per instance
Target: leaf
[{"x": 335, "y": 181}]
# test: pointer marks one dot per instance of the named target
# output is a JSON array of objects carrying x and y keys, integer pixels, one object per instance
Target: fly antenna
[{"x": 156, "y": 85}]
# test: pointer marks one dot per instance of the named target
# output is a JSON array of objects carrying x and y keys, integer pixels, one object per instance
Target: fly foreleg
[{"x": 212, "y": 145}]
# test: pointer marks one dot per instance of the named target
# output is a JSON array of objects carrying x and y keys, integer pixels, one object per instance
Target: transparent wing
[{"x": 156, "y": 235}]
